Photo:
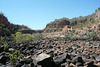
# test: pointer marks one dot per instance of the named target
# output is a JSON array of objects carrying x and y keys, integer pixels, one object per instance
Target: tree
[
  {"x": 1, "y": 13},
  {"x": 80, "y": 17},
  {"x": 99, "y": 8}
]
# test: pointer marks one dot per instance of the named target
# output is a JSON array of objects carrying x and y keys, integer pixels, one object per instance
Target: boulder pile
[{"x": 54, "y": 52}]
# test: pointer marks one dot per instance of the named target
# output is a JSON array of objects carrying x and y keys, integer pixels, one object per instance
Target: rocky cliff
[
  {"x": 77, "y": 22},
  {"x": 7, "y": 28},
  {"x": 56, "y": 25}
]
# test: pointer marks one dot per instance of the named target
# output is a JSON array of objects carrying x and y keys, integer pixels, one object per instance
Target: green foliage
[
  {"x": 37, "y": 36},
  {"x": 81, "y": 35},
  {"x": 20, "y": 56},
  {"x": 69, "y": 36},
  {"x": 19, "y": 37},
  {"x": 91, "y": 35},
  {"x": 7, "y": 28},
  {"x": 1, "y": 13},
  {"x": 2, "y": 41},
  {"x": 87, "y": 35},
  {"x": 99, "y": 8},
  {"x": 15, "y": 56},
  {"x": 5, "y": 46},
  {"x": 80, "y": 25}
]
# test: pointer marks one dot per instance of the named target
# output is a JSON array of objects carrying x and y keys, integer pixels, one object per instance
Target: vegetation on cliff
[
  {"x": 7, "y": 28},
  {"x": 77, "y": 22}
]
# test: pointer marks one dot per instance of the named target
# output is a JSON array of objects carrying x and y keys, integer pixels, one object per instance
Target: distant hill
[
  {"x": 77, "y": 22},
  {"x": 7, "y": 28},
  {"x": 56, "y": 25}
]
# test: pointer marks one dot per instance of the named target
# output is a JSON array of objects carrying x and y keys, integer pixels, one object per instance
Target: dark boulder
[
  {"x": 1, "y": 48},
  {"x": 60, "y": 59},
  {"x": 28, "y": 60},
  {"x": 3, "y": 59},
  {"x": 44, "y": 60},
  {"x": 77, "y": 59},
  {"x": 98, "y": 58}
]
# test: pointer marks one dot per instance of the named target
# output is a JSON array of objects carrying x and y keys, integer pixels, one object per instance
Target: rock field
[{"x": 54, "y": 52}]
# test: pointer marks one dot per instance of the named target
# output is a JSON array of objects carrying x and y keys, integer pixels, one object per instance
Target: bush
[
  {"x": 5, "y": 46},
  {"x": 69, "y": 35},
  {"x": 15, "y": 56},
  {"x": 19, "y": 37},
  {"x": 91, "y": 35},
  {"x": 2, "y": 40},
  {"x": 99, "y": 8},
  {"x": 38, "y": 36},
  {"x": 83, "y": 35},
  {"x": 88, "y": 35}
]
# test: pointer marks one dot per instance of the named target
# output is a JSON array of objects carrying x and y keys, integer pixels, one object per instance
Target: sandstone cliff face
[
  {"x": 56, "y": 25},
  {"x": 78, "y": 21},
  {"x": 59, "y": 25}
]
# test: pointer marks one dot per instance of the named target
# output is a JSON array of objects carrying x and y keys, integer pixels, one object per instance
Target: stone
[
  {"x": 66, "y": 29},
  {"x": 42, "y": 57},
  {"x": 11, "y": 49},
  {"x": 28, "y": 60},
  {"x": 92, "y": 57},
  {"x": 98, "y": 64},
  {"x": 1, "y": 48},
  {"x": 63, "y": 65},
  {"x": 79, "y": 64},
  {"x": 19, "y": 65},
  {"x": 68, "y": 56},
  {"x": 98, "y": 28},
  {"x": 44, "y": 60},
  {"x": 72, "y": 65},
  {"x": 98, "y": 58},
  {"x": 60, "y": 59},
  {"x": 3, "y": 59},
  {"x": 32, "y": 64},
  {"x": 77, "y": 59},
  {"x": 3, "y": 66},
  {"x": 25, "y": 65},
  {"x": 90, "y": 64},
  {"x": 50, "y": 52},
  {"x": 50, "y": 46}
]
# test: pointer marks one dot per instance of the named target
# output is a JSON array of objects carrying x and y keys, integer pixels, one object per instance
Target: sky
[{"x": 36, "y": 14}]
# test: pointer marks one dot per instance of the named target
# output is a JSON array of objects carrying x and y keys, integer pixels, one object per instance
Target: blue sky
[{"x": 37, "y": 13}]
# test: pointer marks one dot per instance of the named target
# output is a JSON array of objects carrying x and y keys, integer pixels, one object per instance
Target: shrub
[
  {"x": 69, "y": 35},
  {"x": 2, "y": 40},
  {"x": 19, "y": 37},
  {"x": 5, "y": 46},
  {"x": 91, "y": 35},
  {"x": 83, "y": 35},
  {"x": 99, "y": 8},
  {"x": 14, "y": 56},
  {"x": 1, "y": 13},
  {"x": 38, "y": 37},
  {"x": 80, "y": 25}
]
